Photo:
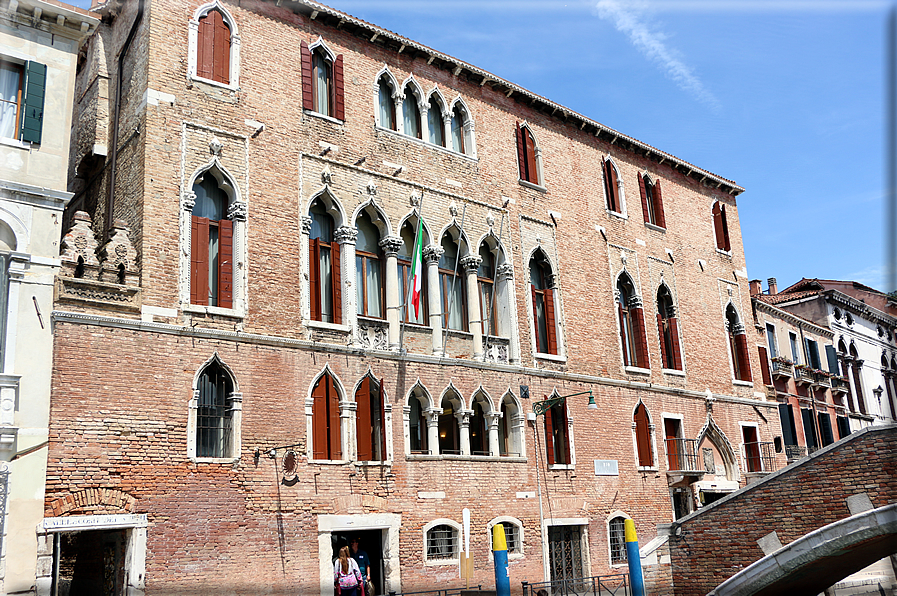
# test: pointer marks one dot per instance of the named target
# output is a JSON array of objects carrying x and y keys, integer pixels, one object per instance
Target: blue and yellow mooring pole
[
  {"x": 635, "y": 561},
  {"x": 500, "y": 557}
]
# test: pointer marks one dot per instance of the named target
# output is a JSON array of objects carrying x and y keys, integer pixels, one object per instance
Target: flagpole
[
  {"x": 454, "y": 277},
  {"x": 410, "y": 281}
]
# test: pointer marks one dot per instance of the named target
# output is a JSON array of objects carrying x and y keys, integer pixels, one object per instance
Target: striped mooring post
[
  {"x": 500, "y": 558},
  {"x": 635, "y": 562}
]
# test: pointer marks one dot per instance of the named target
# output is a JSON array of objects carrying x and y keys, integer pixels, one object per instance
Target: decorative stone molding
[
  {"x": 305, "y": 221},
  {"x": 471, "y": 263},
  {"x": 215, "y": 146},
  {"x": 635, "y": 301},
  {"x": 495, "y": 352},
  {"x": 453, "y": 209},
  {"x": 80, "y": 242},
  {"x": 98, "y": 293},
  {"x": 490, "y": 220},
  {"x": 345, "y": 235},
  {"x": 188, "y": 200},
  {"x": 391, "y": 245},
  {"x": 372, "y": 336},
  {"x": 371, "y": 188},
  {"x": 236, "y": 211},
  {"x": 326, "y": 176},
  {"x": 432, "y": 253},
  {"x": 119, "y": 251},
  {"x": 552, "y": 280},
  {"x": 503, "y": 272}
]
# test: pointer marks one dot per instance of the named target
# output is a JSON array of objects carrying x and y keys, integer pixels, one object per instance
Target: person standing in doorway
[
  {"x": 361, "y": 557},
  {"x": 346, "y": 575}
]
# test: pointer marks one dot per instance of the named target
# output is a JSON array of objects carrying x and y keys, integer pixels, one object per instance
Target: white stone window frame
[
  {"x": 612, "y": 516},
  {"x": 635, "y": 301},
  {"x": 561, "y": 356},
  {"x": 420, "y": 392},
  {"x": 193, "y": 52},
  {"x": 621, "y": 190},
  {"x": 571, "y": 465},
  {"x": 652, "y": 430},
  {"x": 10, "y": 55},
  {"x": 469, "y": 128},
  {"x": 347, "y": 409},
  {"x": 540, "y": 176},
  {"x": 504, "y": 294},
  {"x": 237, "y": 213},
  {"x": 519, "y": 553},
  {"x": 729, "y": 350},
  {"x": 742, "y": 446},
  {"x": 517, "y": 424},
  {"x": 321, "y": 45},
  {"x": 235, "y": 403},
  {"x": 345, "y": 236},
  {"x": 670, "y": 371},
  {"x": 455, "y": 560},
  {"x": 386, "y": 423}
]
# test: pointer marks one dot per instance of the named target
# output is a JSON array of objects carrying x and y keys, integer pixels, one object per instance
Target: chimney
[
  {"x": 773, "y": 287},
  {"x": 756, "y": 287}
]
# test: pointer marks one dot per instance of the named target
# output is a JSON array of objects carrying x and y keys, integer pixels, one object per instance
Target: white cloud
[{"x": 629, "y": 18}]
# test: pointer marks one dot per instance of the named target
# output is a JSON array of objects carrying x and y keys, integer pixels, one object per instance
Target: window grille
[
  {"x": 512, "y": 537},
  {"x": 213, "y": 417},
  {"x": 617, "y": 541},
  {"x": 565, "y": 552},
  {"x": 442, "y": 543}
]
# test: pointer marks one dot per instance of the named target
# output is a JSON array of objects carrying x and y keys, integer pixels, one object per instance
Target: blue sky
[{"x": 785, "y": 97}]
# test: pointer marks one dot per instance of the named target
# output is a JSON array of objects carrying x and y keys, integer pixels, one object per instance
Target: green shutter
[
  {"x": 33, "y": 112},
  {"x": 832, "y": 357}
]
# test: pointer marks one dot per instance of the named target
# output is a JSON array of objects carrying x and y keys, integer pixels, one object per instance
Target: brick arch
[{"x": 95, "y": 500}]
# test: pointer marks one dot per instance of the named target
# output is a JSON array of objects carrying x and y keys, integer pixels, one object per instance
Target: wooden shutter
[
  {"x": 535, "y": 294},
  {"x": 643, "y": 437},
  {"x": 381, "y": 403},
  {"x": 363, "y": 420},
  {"x": 314, "y": 278},
  {"x": 199, "y": 261},
  {"x": 832, "y": 356},
  {"x": 532, "y": 173},
  {"x": 550, "y": 321},
  {"x": 641, "y": 340},
  {"x": 726, "y": 246},
  {"x": 663, "y": 343},
  {"x": 225, "y": 263},
  {"x": 319, "y": 419},
  {"x": 744, "y": 361},
  {"x": 221, "y": 58},
  {"x": 521, "y": 153},
  {"x": 339, "y": 89},
  {"x": 718, "y": 226},
  {"x": 659, "y": 219},
  {"x": 825, "y": 429},
  {"x": 205, "y": 46},
  {"x": 337, "y": 283},
  {"x": 308, "y": 100},
  {"x": 843, "y": 426},
  {"x": 674, "y": 336},
  {"x": 786, "y": 418},
  {"x": 611, "y": 181},
  {"x": 809, "y": 428},
  {"x": 624, "y": 340},
  {"x": 33, "y": 103},
  {"x": 644, "y": 194},
  {"x": 764, "y": 365},
  {"x": 425, "y": 428},
  {"x": 333, "y": 420},
  {"x": 563, "y": 429},
  {"x": 549, "y": 434}
]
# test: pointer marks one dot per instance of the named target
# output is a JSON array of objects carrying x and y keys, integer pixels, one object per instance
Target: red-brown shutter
[
  {"x": 744, "y": 361},
  {"x": 381, "y": 401},
  {"x": 674, "y": 335},
  {"x": 725, "y": 229},
  {"x": 718, "y": 226},
  {"x": 205, "y": 46},
  {"x": 663, "y": 344},
  {"x": 226, "y": 263},
  {"x": 611, "y": 181},
  {"x": 521, "y": 153},
  {"x": 532, "y": 173},
  {"x": 550, "y": 323},
  {"x": 319, "y": 419},
  {"x": 535, "y": 313},
  {"x": 643, "y": 437},
  {"x": 339, "y": 89},
  {"x": 337, "y": 283},
  {"x": 644, "y": 194},
  {"x": 764, "y": 366},
  {"x": 333, "y": 420},
  {"x": 199, "y": 257},
  {"x": 641, "y": 341},
  {"x": 549, "y": 434},
  {"x": 221, "y": 59},
  {"x": 562, "y": 433},
  {"x": 363, "y": 420},
  {"x": 623, "y": 339},
  {"x": 660, "y": 220},
  {"x": 308, "y": 100},
  {"x": 314, "y": 278}
]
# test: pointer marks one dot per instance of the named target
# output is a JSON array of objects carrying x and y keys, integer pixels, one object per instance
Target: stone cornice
[
  {"x": 76, "y": 318},
  {"x": 56, "y": 18}
]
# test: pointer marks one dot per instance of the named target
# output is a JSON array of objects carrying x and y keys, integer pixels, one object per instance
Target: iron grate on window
[
  {"x": 617, "y": 541},
  {"x": 213, "y": 417},
  {"x": 442, "y": 543},
  {"x": 512, "y": 537}
]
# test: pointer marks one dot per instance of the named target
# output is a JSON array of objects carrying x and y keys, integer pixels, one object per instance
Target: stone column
[
  {"x": 346, "y": 236},
  {"x": 431, "y": 257},
  {"x": 492, "y": 419},
  {"x": 847, "y": 363},
  {"x": 891, "y": 386},
  {"x": 391, "y": 246},
  {"x": 506, "y": 307},
  {"x": 474, "y": 319},
  {"x": 433, "y": 429},
  {"x": 305, "y": 264},
  {"x": 463, "y": 417}
]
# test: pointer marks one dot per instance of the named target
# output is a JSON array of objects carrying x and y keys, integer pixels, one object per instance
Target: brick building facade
[{"x": 237, "y": 388}]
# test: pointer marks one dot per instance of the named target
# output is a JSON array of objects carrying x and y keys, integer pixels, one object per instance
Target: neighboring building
[
  {"x": 237, "y": 388},
  {"x": 39, "y": 43}
]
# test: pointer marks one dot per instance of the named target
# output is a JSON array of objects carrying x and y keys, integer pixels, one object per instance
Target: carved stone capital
[
  {"x": 119, "y": 250},
  {"x": 80, "y": 241},
  {"x": 236, "y": 211},
  {"x": 188, "y": 200},
  {"x": 391, "y": 245},
  {"x": 504, "y": 272},
  {"x": 346, "y": 235},
  {"x": 635, "y": 301},
  {"x": 471, "y": 263},
  {"x": 432, "y": 253},
  {"x": 738, "y": 329},
  {"x": 305, "y": 221},
  {"x": 463, "y": 417},
  {"x": 552, "y": 280}
]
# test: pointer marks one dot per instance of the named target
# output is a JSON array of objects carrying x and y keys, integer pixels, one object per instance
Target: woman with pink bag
[{"x": 346, "y": 575}]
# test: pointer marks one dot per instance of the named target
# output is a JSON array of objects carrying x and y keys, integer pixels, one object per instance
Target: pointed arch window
[
  {"x": 542, "y": 289},
  {"x": 324, "y": 264},
  {"x": 612, "y": 187},
  {"x": 509, "y": 440},
  {"x": 386, "y": 104},
  {"x": 403, "y": 260},
  {"x": 643, "y": 438},
  {"x": 668, "y": 330},
  {"x": 478, "y": 428},
  {"x": 557, "y": 440},
  {"x": 721, "y": 227},
  {"x": 369, "y": 269},
  {"x": 460, "y": 138},
  {"x": 856, "y": 369},
  {"x": 486, "y": 283},
  {"x": 370, "y": 420},
  {"x": 213, "y": 48},
  {"x": 632, "y": 324},
  {"x": 617, "y": 536},
  {"x": 738, "y": 349},
  {"x": 527, "y": 153},
  {"x": 449, "y": 430},
  {"x": 323, "y": 87},
  {"x": 417, "y": 423},
  {"x": 451, "y": 286},
  {"x": 411, "y": 114},
  {"x": 214, "y": 417},
  {"x": 435, "y": 125},
  {"x": 326, "y": 436},
  {"x": 212, "y": 245},
  {"x": 652, "y": 201}
]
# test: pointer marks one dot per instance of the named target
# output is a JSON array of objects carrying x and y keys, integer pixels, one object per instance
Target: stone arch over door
[{"x": 718, "y": 439}]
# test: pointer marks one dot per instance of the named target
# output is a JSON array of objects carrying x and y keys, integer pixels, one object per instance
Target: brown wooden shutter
[
  {"x": 643, "y": 437},
  {"x": 337, "y": 283},
  {"x": 319, "y": 419},
  {"x": 718, "y": 226},
  {"x": 644, "y": 194},
  {"x": 199, "y": 257},
  {"x": 641, "y": 341},
  {"x": 549, "y": 434},
  {"x": 333, "y": 420},
  {"x": 744, "y": 361},
  {"x": 613, "y": 193},
  {"x": 314, "y": 277},
  {"x": 535, "y": 294},
  {"x": 725, "y": 229},
  {"x": 381, "y": 401},
  {"x": 623, "y": 339},
  {"x": 764, "y": 366},
  {"x": 205, "y": 46},
  {"x": 521, "y": 153},
  {"x": 308, "y": 100},
  {"x": 663, "y": 343},
  {"x": 550, "y": 321},
  {"x": 363, "y": 420},
  {"x": 532, "y": 173},
  {"x": 674, "y": 335},
  {"x": 221, "y": 59},
  {"x": 225, "y": 263},
  {"x": 562, "y": 433},
  {"x": 339, "y": 89},
  {"x": 658, "y": 206}
]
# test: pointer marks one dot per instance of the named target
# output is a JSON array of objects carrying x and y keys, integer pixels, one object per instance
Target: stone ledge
[{"x": 98, "y": 293}]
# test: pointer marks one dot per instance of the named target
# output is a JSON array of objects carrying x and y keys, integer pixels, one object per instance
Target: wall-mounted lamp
[{"x": 540, "y": 407}]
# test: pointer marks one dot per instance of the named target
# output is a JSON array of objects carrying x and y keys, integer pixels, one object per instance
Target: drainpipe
[{"x": 110, "y": 191}]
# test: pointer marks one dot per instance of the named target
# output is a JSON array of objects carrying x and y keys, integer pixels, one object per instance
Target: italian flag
[{"x": 416, "y": 264}]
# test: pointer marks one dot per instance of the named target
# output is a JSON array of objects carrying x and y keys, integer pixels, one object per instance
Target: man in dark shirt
[{"x": 361, "y": 557}]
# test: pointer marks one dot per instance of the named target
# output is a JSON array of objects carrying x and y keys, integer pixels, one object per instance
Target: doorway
[
  {"x": 89, "y": 563},
  {"x": 370, "y": 541}
]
